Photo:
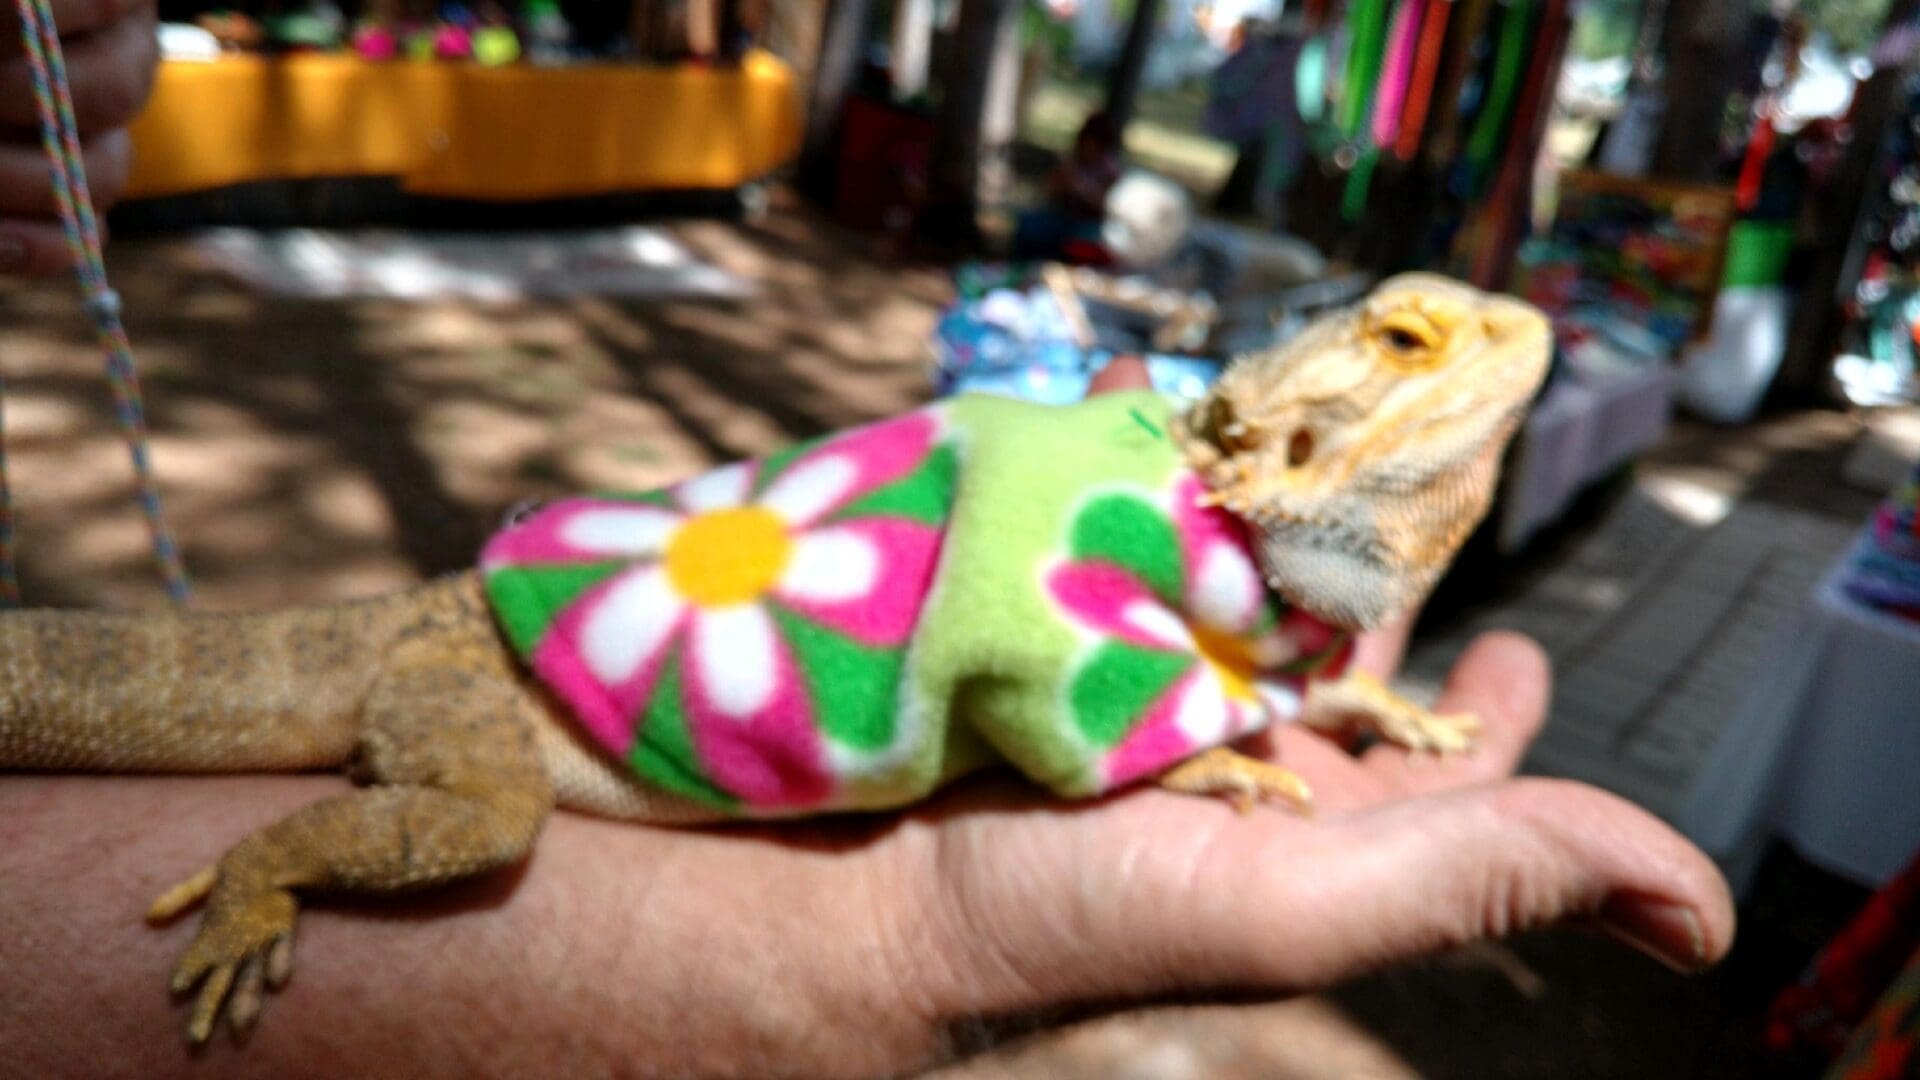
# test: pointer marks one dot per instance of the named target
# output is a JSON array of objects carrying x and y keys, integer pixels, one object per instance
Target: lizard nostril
[{"x": 1300, "y": 448}]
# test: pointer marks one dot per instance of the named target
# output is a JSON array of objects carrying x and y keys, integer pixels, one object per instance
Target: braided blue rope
[{"x": 59, "y": 134}]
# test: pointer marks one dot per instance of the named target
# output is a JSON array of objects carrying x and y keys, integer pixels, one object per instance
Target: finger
[
  {"x": 1264, "y": 903},
  {"x": 32, "y": 248},
  {"x": 1503, "y": 679},
  {"x": 72, "y": 18},
  {"x": 1121, "y": 373},
  {"x": 26, "y": 185},
  {"x": 1378, "y": 652},
  {"x": 110, "y": 71}
]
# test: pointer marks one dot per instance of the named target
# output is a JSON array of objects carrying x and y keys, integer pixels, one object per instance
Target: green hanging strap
[{"x": 1491, "y": 125}]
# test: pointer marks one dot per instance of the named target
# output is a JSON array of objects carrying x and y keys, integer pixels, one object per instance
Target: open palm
[{"x": 853, "y": 946}]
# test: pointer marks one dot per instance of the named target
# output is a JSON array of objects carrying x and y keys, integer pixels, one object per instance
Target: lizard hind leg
[{"x": 459, "y": 789}]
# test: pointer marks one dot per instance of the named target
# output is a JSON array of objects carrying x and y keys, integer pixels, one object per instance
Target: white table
[
  {"x": 1824, "y": 753},
  {"x": 1584, "y": 427}
]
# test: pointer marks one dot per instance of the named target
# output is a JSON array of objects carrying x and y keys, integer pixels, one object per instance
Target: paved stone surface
[{"x": 1656, "y": 624}]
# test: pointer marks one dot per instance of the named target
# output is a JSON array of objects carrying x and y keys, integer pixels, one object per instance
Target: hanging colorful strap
[
  {"x": 1367, "y": 24},
  {"x": 60, "y": 136},
  {"x": 1508, "y": 66},
  {"x": 1426, "y": 69},
  {"x": 1394, "y": 77}
]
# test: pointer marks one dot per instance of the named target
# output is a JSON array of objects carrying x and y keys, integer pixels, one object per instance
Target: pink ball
[
  {"x": 452, "y": 43},
  {"x": 376, "y": 43}
]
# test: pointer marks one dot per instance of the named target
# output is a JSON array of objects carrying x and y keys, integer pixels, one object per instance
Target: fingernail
[
  {"x": 1670, "y": 933},
  {"x": 14, "y": 253}
]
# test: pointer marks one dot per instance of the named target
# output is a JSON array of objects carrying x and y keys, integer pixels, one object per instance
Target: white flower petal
[
  {"x": 831, "y": 566},
  {"x": 1281, "y": 700},
  {"x": 808, "y": 490},
  {"x": 635, "y": 531},
  {"x": 630, "y": 622},
  {"x": 723, "y": 487},
  {"x": 735, "y": 648},
  {"x": 1202, "y": 712},
  {"x": 1226, "y": 591},
  {"x": 1163, "y": 627}
]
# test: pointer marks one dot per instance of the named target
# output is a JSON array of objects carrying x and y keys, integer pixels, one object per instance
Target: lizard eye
[{"x": 1407, "y": 336}]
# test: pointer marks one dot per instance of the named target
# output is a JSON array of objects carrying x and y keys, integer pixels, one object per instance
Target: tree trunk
[
  {"x": 1706, "y": 47},
  {"x": 954, "y": 186},
  {"x": 842, "y": 43},
  {"x": 1835, "y": 221},
  {"x": 1123, "y": 86}
]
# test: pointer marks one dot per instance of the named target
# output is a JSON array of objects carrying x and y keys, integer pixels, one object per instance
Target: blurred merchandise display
[
  {"x": 1884, "y": 569},
  {"x": 1876, "y": 362}
]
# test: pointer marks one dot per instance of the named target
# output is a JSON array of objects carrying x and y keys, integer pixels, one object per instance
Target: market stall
[{"x": 464, "y": 130}]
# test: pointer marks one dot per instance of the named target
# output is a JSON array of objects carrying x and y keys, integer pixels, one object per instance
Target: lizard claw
[
  {"x": 1441, "y": 733},
  {"x": 244, "y": 946}
]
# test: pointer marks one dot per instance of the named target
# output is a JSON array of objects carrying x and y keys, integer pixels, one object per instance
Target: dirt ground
[{"x": 323, "y": 450}]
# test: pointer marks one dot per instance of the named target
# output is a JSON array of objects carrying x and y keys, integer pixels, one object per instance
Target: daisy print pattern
[
  {"x": 738, "y": 638},
  {"x": 1186, "y": 648}
]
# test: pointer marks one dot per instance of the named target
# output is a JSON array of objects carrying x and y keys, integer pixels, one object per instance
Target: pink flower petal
[
  {"x": 1099, "y": 596},
  {"x": 771, "y": 758},
  {"x": 612, "y": 528},
  {"x": 884, "y": 615}
]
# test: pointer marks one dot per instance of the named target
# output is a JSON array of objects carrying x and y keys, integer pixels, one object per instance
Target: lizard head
[{"x": 1364, "y": 451}]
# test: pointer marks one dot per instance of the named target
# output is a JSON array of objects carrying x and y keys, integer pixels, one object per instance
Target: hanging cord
[{"x": 60, "y": 135}]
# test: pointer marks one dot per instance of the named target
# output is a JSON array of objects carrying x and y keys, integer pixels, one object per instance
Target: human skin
[
  {"x": 852, "y": 946},
  {"x": 111, "y": 53}
]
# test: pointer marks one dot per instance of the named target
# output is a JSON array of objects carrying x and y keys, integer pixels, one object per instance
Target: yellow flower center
[
  {"x": 728, "y": 556},
  {"x": 1229, "y": 657}
]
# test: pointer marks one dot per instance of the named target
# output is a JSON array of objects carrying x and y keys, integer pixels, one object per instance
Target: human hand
[
  {"x": 111, "y": 53},
  {"x": 843, "y": 946}
]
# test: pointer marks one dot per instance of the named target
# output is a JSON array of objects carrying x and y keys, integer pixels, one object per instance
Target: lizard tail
[{"x": 182, "y": 692}]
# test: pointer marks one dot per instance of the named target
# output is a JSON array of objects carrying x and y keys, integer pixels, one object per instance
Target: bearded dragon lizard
[{"x": 1096, "y": 595}]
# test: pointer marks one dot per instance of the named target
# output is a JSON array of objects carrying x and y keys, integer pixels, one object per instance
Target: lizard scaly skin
[{"x": 1361, "y": 454}]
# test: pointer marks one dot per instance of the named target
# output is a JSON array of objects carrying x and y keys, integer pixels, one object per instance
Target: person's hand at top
[{"x": 111, "y": 51}]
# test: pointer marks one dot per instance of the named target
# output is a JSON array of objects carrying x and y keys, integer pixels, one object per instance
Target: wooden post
[
  {"x": 1706, "y": 42},
  {"x": 912, "y": 39},
  {"x": 842, "y": 43},
  {"x": 1123, "y": 87},
  {"x": 954, "y": 186},
  {"x": 1817, "y": 317}
]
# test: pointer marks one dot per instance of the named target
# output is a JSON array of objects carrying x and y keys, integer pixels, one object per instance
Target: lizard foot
[
  {"x": 1417, "y": 729},
  {"x": 1359, "y": 698},
  {"x": 1243, "y": 780},
  {"x": 244, "y": 946}
]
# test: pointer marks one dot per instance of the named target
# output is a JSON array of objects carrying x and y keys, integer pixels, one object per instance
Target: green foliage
[
  {"x": 1853, "y": 24},
  {"x": 1605, "y": 28}
]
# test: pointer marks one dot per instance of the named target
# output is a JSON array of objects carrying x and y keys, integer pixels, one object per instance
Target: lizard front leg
[
  {"x": 1242, "y": 779},
  {"x": 460, "y": 789},
  {"x": 1357, "y": 699}
]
